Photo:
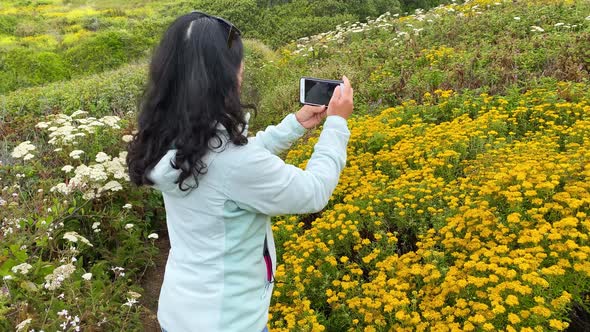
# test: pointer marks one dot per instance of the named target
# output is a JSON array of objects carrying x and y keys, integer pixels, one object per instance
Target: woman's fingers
[
  {"x": 337, "y": 94},
  {"x": 316, "y": 109},
  {"x": 347, "y": 87}
]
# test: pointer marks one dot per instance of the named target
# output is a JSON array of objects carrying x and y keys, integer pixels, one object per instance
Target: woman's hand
[
  {"x": 342, "y": 102},
  {"x": 311, "y": 116}
]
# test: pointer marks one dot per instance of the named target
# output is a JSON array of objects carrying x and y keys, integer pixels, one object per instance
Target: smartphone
[{"x": 317, "y": 91}]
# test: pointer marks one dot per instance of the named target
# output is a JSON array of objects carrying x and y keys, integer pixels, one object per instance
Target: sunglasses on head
[{"x": 233, "y": 30}]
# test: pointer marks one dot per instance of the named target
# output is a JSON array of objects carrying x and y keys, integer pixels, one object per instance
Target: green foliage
[
  {"x": 116, "y": 227},
  {"x": 29, "y": 27},
  {"x": 113, "y": 92},
  {"x": 8, "y": 24},
  {"x": 105, "y": 50},
  {"x": 114, "y": 33},
  {"x": 488, "y": 52},
  {"x": 410, "y": 5},
  {"x": 22, "y": 67}
]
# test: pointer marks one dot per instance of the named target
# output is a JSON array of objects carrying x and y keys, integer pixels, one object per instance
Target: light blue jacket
[{"x": 216, "y": 277}]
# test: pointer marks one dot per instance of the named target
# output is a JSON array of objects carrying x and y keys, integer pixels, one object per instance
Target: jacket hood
[{"x": 164, "y": 175}]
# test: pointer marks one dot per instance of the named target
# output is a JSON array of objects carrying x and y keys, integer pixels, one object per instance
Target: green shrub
[
  {"x": 105, "y": 51},
  {"x": 8, "y": 24},
  {"x": 29, "y": 27},
  {"x": 21, "y": 67}
]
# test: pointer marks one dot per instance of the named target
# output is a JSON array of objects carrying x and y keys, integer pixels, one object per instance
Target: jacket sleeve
[
  {"x": 263, "y": 183},
  {"x": 279, "y": 138}
]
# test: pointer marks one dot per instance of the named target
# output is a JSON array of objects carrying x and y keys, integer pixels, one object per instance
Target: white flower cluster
[
  {"x": 22, "y": 268},
  {"x": 565, "y": 25},
  {"x": 23, "y": 151},
  {"x": 75, "y": 237},
  {"x": 61, "y": 273},
  {"x": 404, "y": 27},
  {"x": 127, "y": 138},
  {"x": 22, "y": 325},
  {"x": 73, "y": 322},
  {"x": 386, "y": 21},
  {"x": 96, "y": 179},
  {"x": 305, "y": 44},
  {"x": 65, "y": 129},
  {"x": 96, "y": 227},
  {"x": 119, "y": 271},
  {"x": 8, "y": 226}
]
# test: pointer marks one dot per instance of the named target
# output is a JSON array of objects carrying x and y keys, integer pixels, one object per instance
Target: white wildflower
[
  {"x": 67, "y": 168},
  {"x": 559, "y": 24},
  {"x": 134, "y": 295},
  {"x": 87, "y": 276},
  {"x": 61, "y": 273},
  {"x": 90, "y": 195},
  {"x": 112, "y": 186},
  {"x": 111, "y": 121},
  {"x": 74, "y": 237},
  {"x": 62, "y": 188},
  {"x": 78, "y": 112},
  {"x": 71, "y": 236},
  {"x": 76, "y": 154},
  {"x": 127, "y": 138},
  {"x": 535, "y": 28},
  {"x": 95, "y": 225},
  {"x": 102, "y": 157},
  {"x": 130, "y": 302},
  {"x": 22, "y": 149},
  {"x": 21, "y": 326},
  {"x": 153, "y": 236},
  {"x": 128, "y": 226},
  {"x": 127, "y": 206},
  {"x": 22, "y": 268}
]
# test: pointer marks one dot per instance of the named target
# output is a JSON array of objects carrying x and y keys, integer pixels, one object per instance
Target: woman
[{"x": 219, "y": 187}]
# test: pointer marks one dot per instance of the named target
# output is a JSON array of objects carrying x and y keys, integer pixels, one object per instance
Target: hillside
[
  {"x": 465, "y": 203},
  {"x": 43, "y": 41}
]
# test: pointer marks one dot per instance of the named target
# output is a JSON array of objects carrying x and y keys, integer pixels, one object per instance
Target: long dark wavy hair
[{"x": 192, "y": 86}]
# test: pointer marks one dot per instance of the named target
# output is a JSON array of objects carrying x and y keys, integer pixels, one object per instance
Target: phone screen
[{"x": 318, "y": 92}]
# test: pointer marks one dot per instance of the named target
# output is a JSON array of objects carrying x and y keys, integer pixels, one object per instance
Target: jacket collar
[{"x": 222, "y": 128}]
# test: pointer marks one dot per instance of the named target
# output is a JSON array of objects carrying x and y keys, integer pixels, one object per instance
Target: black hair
[{"x": 192, "y": 87}]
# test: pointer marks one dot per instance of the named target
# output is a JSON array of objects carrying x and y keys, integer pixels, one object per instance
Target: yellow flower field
[{"x": 479, "y": 223}]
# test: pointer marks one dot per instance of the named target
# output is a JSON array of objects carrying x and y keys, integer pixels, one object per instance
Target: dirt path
[{"x": 151, "y": 284}]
